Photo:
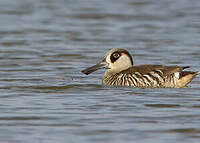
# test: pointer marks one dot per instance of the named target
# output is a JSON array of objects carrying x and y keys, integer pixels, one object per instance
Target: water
[{"x": 44, "y": 44}]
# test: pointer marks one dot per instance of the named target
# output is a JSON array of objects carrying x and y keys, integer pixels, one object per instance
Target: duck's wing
[{"x": 145, "y": 69}]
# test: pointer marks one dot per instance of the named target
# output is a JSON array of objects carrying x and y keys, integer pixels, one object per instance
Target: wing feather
[{"x": 145, "y": 69}]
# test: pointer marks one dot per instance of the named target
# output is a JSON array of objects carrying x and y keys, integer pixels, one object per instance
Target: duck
[{"x": 120, "y": 71}]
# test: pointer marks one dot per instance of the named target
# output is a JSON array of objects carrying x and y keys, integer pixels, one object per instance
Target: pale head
[{"x": 116, "y": 60}]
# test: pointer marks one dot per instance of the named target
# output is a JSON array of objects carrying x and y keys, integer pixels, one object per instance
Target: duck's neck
[{"x": 109, "y": 76}]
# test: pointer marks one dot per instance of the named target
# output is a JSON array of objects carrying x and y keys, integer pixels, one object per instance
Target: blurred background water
[{"x": 44, "y": 44}]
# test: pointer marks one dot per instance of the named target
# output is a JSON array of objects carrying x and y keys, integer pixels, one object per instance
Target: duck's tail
[{"x": 186, "y": 77}]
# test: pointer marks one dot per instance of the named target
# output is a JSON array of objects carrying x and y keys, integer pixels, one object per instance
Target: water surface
[{"x": 44, "y": 44}]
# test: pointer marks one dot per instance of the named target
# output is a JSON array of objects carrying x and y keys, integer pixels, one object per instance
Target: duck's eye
[{"x": 116, "y": 55}]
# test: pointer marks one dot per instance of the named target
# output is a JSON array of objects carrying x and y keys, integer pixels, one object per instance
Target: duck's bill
[{"x": 100, "y": 65}]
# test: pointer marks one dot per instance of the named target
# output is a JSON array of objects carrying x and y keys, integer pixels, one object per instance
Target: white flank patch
[{"x": 177, "y": 75}]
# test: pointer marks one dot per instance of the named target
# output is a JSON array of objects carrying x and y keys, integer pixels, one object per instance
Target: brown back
[{"x": 144, "y": 69}]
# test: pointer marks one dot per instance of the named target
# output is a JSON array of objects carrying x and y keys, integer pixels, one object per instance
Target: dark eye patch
[{"x": 115, "y": 56}]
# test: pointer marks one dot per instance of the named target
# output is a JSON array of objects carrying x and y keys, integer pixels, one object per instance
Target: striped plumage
[
  {"x": 121, "y": 72},
  {"x": 157, "y": 76}
]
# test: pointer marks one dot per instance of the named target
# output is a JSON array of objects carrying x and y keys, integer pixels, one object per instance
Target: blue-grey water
[{"x": 44, "y": 45}]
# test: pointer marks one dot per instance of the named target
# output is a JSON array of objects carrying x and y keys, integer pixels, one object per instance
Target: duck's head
[{"x": 116, "y": 60}]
